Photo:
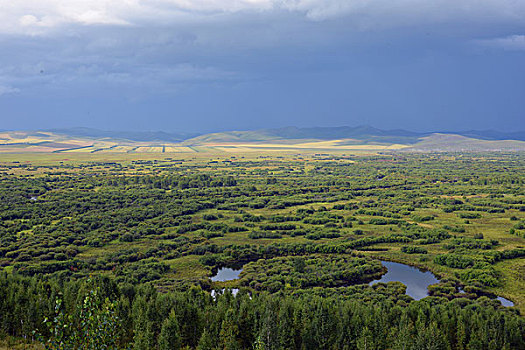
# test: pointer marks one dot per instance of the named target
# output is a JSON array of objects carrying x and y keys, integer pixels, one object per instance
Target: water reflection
[
  {"x": 226, "y": 274},
  {"x": 505, "y": 302},
  {"x": 214, "y": 293},
  {"x": 417, "y": 281}
]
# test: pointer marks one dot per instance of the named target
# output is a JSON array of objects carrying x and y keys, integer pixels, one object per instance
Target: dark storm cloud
[{"x": 233, "y": 64}]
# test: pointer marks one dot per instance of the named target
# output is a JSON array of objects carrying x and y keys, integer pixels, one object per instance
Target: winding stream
[{"x": 417, "y": 281}]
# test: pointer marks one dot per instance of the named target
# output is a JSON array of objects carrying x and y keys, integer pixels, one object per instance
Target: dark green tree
[{"x": 169, "y": 338}]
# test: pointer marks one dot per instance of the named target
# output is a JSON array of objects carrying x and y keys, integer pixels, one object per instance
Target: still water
[
  {"x": 226, "y": 274},
  {"x": 416, "y": 280},
  {"x": 214, "y": 293},
  {"x": 505, "y": 302}
]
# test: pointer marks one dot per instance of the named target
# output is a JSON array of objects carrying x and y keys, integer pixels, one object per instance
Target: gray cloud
[
  {"x": 42, "y": 17},
  {"x": 164, "y": 46},
  {"x": 512, "y": 42},
  {"x": 4, "y": 90}
]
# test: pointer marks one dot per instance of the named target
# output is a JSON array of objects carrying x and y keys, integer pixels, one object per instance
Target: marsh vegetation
[{"x": 309, "y": 232}]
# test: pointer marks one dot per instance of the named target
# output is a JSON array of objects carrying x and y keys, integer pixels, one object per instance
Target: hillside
[
  {"x": 345, "y": 139},
  {"x": 362, "y": 133},
  {"x": 458, "y": 143},
  {"x": 124, "y": 135}
]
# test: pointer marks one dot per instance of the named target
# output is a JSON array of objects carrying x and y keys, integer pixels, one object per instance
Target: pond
[
  {"x": 214, "y": 293},
  {"x": 505, "y": 302},
  {"x": 226, "y": 274},
  {"x": 416, "y": 280}
]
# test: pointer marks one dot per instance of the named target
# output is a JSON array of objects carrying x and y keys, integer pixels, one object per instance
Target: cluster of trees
[
  {"x": 169, "y": 182},
  {"x": 480, "y": 269},
  {"x": 470, "y": 243},
  {"x": 99, "y": 314},
  {"x": 298, "y": 272},
  {"x": 413, "y": 250}
]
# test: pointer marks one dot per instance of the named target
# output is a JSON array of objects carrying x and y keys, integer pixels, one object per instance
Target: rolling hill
[
  {"x": 361, "y": 133},
  {"x": 361, "y": 138},
  {"x": 124, "y": 135}
]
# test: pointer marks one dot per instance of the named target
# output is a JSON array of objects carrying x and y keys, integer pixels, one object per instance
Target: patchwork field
[{"x": 245, "y": 142}]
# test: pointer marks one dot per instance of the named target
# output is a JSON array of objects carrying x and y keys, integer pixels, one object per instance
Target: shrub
[
  {"x": 454, "y": 260},
  {"x": 413, "y": 250},
  {"x": 467, "y": 215}
]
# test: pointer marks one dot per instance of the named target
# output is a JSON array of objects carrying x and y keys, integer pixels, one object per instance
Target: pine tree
[
  {"x": 229, "y": 332},
  {"x": 169, "y": 338},
  {"x": 268, "y": 330},
  {"x": 430, "y": 338},
  {"x": 403, "y": 335},
  {"x": 206, "y": 342},
  {"x": 286, "y": 326},
  {"x": 143, "y": 335},
  {"x": 366, "y": 340}
]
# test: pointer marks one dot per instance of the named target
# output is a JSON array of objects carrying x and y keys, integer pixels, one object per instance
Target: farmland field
[{"x": 168, "y": 221}]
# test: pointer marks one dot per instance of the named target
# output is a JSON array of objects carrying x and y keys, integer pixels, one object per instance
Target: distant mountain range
[
  {"x": 362, "y": 132},
  {"x": 125, "y": 135},
  {"x": 345, "y": 138}
]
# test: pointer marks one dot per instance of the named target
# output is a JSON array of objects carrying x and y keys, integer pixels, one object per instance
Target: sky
[{"x": 216, "y": 65}]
